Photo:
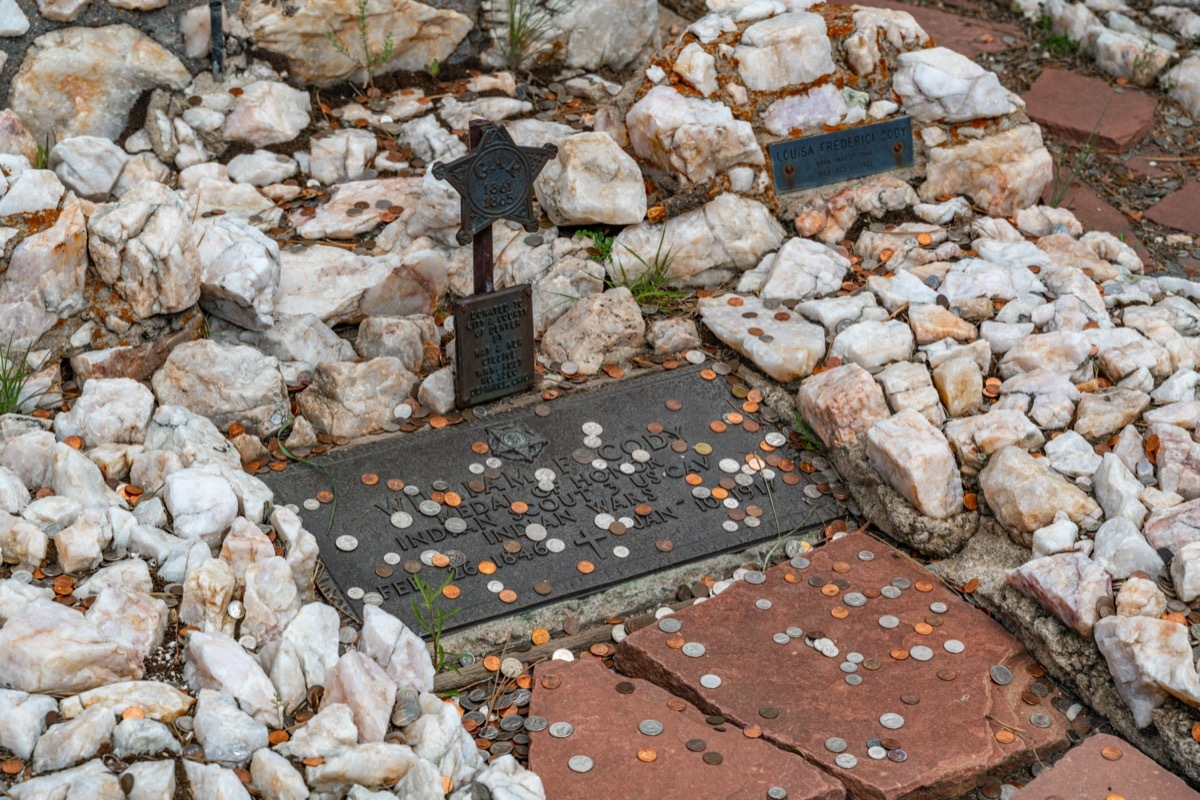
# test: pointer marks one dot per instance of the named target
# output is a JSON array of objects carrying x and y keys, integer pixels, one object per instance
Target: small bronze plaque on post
[
  {"x": 493, "y": 339},
  {"x": 812, "y": 161}
]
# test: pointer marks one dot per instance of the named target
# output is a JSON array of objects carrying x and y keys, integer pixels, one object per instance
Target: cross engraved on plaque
[{"x": 493, "y": 338}]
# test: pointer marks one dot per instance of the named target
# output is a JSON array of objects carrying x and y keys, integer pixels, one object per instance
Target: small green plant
[
  {"x": 14, "y": 373},
  {"x": 328, "y": 476},
  {"x": 602, "y": 245},
  {"x": 651, "y": 285},
  {"x": 1144, "y": 66},
  {"x": 370, "y": 58},
  {"x": 528, "y": 20},
  {"x": 1079, "y": 164},
  {"x": 434, "y": 68},
  {"x": 42, "y": 158},
  {"x": 808, "y": 438},
  {"x": 1061, "y": 45},
  {"x": 432, "y": 617}
]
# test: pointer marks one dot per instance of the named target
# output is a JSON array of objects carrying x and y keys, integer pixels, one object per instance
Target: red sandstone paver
[
  {"x": 1086, "y": 773},
  {"x": 606, "y": 730},
  {"x": 1070, "y": 106},
  {"x": 1180, "y": 210},
  {"x": 950, "y": 726},
  {"x": 969, "y": 36}
]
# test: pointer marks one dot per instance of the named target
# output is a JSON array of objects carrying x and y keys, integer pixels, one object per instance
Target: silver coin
[
  {"x": 412, "y": 490},
  {"x": 580, "y": 764},
  {"x": 848, "y": 667},
  {"x": 776, "y": 439},
  {"x": 511, "y": 667},
  {"x": 236, "y": 610},
  {"x": 752, "y": 522},
  {"x": 651, "y": 727},
  {"x": 544, "y": 474},
  {"x": 811, "y": 491},
  {"x": 866, "y": 555},
  {"x": 248, "y": 642},
  {"x": 794, "y": 632},
  {"x": 401, "y": 519},
  {"x": 626, "y": 468},
  {"x": 593, "y": 442},
  {"x": 854, "y": 658},
  {"x": 855, "y": 599},
  {"x": 535, "y": 532},
  {"x": 599, "y": 464},
  {"x": 889, "y": 622},
  {"x": 475, "y": 468},
  {"x": 693, "y": 649},
  {"x": 755, "y": 577},
  {"x": 710, "y": 681},
  {"x": 427, "y": 557},
  {"x": 701, "y": 492},
  {"x": 835, "y": 744},
  {"x": 546, "y": 486},
  {"x": 742, "y": 479},
  {"x": 695, "y": 357},
  {"x": 592, "y": 429},
  {"x": 938, "y": 608},
  {"x": 373, "y": 599},
  {"x": 456, "y": 525},
  {"x": 670, "y": 625},
  {"x": 494, "y": 462},
  {"x": 555, "y": 545},
  {"x": 902, "y": 583},
  {"x": 954, "y": 646},
  {"x": 1000, "y": 674},
  {"x": 801, "y": 563},
  {"x": 763, "y": 604},
  {"x": 920, "y": 652},
  {"x": 846, "y": 761},
  {"x": 781, "y": 638},
  {"x": 893, "y": 722},
  {"x": 561, "y": 730},
  {"x": 347, "y": 635},
  {"x": 602, "y": 521},
  {"x": 876, "y": 752},
  {"x": 777, "y": 793},
  {"x": 430, "y": 508},
  {"x": 495, "y": 587},
  {"x": 854, "y": 679},
  {"x": 731, "y": 502},
  {"x": 641, "y": 456},
  {"x": 826, "y": 647},
  {"x": 1040, "y": 720},
  {"x": 346, "y": 543},
  {"x": 793, "y": 548},
  {"x": 355, "y": 593},
  {"x": 391, "y": 558},
  {"x": 533, "y": 723},
  {"x": 312, "y": 504},
  {"x": 729, "y": 465},
  {"x": 890, "y": 592},
  {"x": 729, "y": 526}
]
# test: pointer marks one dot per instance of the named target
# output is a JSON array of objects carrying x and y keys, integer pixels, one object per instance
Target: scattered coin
[
  {"x": 712, "y": 758},
  {"x": 835, "y": 744},
  {"x": 710, "y": 681},
  {"x": 891, "y": 721},
  {"x": 650, "y": 727},
  {"x": 1111, "y": 753},
  {"x": 696, "y": 745},
  {"x": 1000, "y": 674},
  {"x": 953, "y": 646},
  {"x": 560, "y": 730},
  {"x": 846, "y": 761},
  {"x": 580, "y": 764}
]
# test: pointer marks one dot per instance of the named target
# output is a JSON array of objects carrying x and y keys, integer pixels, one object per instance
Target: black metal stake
[
  {"x": 483, "y": 251},
  {"x": 217, "y": 48}
]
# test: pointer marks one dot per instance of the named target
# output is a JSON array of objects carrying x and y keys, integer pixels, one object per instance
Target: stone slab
[
  {"x": 1179, "y": 210},
  {"x": 967, "y": 35},
  {"x": 606, "y": 722},
  {"x": 1072, "y": 106},
  {"x": 487, "y": 508},
  {"x": 1090, "y": 770},
  {"x": 950, "y": 726}
]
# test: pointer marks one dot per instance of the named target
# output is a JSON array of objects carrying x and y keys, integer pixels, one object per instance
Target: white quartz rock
[
  {"x": 67, "y": 743},
  {"x": 49, "y": 647},
  {"x": 873, "y": 345},
  {"x": 276, "y": 778},
  {"x": 22, "y": 543},
  {"x": 1185, "y": 572},
  {"x": 797, "y": 346},
  {"x": 697, "y": 67},
  {"x": 130, "y": 617},
  {"x": 13, "y": 494},
  {"x": 207, "y": 590},
  {"x": 156, "y": 700},
  {"x": 438, "y": 737},
  {"x": 1122, "y": 550},
  {"x": 88, "y": 165},
  {"x": 330, "y": 731},
  {"x": 245, "y": 546},
  {"x": 1103, "y": 413},
  {"x": 202, "y": 506},
  {"x": 239, "y": 272},
  {"x": 261, "y": 168},
  {"x": 914, "y": 458},
  {"x": 1057, "y": 537},
  {"x": 15, "y": 595},
  {"x": 22, "y": 720},
  {"x": 1070, "y": 454},
  {"x": 1149, "y": 659},
  {"x": 109, "y": 410},
  {"x": 1025, "y": 494},
  {"x": 791, "y": 48},
  {"x": 908, "y": 386},
  {"x": 342, "y": 156},
  {"x": 398, "y": 650},
  {"x": 229, "y": 735},
  {"x": 1118, "y": 490},
  {"x": 940, "y": 84},
  {"x": 270, "y": 598},
  {"x": 214, "y": 661},
  {"x": 371, "y": 765},
  {"x": 153, "y": 780},
  {"x": 1069, "y": 585},
  {"x": 504, "y": 777},
  {"x": 959, "y": 383},
  {"x": 362, "y": 684},
  {"x": 92, "y": 780},
  {"x": 1141, "y": 597},
  {"x": 214, "y": 782},
  {"x": 267, "y": 112},
  {"x": 143, "y": 737},
  {"x": 33, "y": 190},
  {"x": 592, "y": 181},
  {"x": 803, "y": 270}
]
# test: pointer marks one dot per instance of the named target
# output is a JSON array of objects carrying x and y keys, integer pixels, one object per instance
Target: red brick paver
[
  {"x": 1104, "y": 766},
  {"x": 1180, "y": 210},
  {"x": 1070, "y": 106}
]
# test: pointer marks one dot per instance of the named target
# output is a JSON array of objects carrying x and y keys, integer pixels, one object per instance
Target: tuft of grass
[
  {"x": 808, "y": 438},
  {"x": 650, "y": 287},
  {"x": 42, "y": 158},
  {"x": 432, "y": 617},
  {"x": 602, "y": 245},
  {"x": 433, "y": 68},
  {"x": 528, "y": 20},
  {"x": 14, "y": 374},
  {"x": 328, "y": 476},
  {"x": 780, "y": 537},
  {"x": 370, "y": 59}
]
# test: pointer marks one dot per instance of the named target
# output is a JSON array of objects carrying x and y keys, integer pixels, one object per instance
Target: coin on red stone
[{"x": 1111, "y": 753}]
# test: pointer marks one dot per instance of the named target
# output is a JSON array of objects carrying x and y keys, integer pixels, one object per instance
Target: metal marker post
[
  {"x": 483, "y": 255},
  {"x": 217, "y": 47}
]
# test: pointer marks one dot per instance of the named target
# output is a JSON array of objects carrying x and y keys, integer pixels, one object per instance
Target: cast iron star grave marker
[{"x": 493, "y": 330}]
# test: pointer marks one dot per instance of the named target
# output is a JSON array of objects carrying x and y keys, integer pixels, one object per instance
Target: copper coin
[
  {"x": 395, "y": 484},
  {"x": 586, "y": 567},
  {"x": 664, "y": 545},
  {"x": 673, "y": 405},
  {"x": 384, "y": 571},
  {"x": 713, "y": 758},
  {"x": 890, "y": 744},
  {"x": 625, "y": 687},
  {"x": 837, "y": 612},
  {"x": 923, "y": 628},
  {"x": 1030, "y": 699},
  {"x": 440, "y": 560},
  {"x": 12, "y": 766},
  {"x": 696, "y": 745},
  {"x": 453, "y": 499},
  {"x": 679, "y": 446},
  {"x": 543, "y": 588},
  {"x": 654, "y": 427},
  {"x": 924, "y": 586},
  {"x": 325, "y": 496},
  {"x": 539, "y": 636},
  {"x": 708, "y": 374},
  {"x": 753, "y": 732},
  {"x": 1036, "y": 670},
  {"x": 841, "y": 566},
  {"x": 829, "y": 590},
  {"x": 508, "y": 596},
  {"x": 369, "y": 479},
  {"x": 791, "y": 478},
  {"x": 870, "y": 593},
  {"x": 486, "y": 568},
  {"x": 643, "y": 510},
  {"x": 452, "y": 592},
  {"x": 692, "y": 479},
  {"x": 910, "y": 699},
  {"x": 1005, "y": 737},
  {"x": 900, "y": 654},
  {"x": 716, "y": 426},
  {"x": 1111, "y": 753},
  {"x": 675, "y": 704},
  {"x": 647, "y": 756},
  {"x": 511, "y": 546},
  {"x": 412, "y": 567},
  {"x": 519, "y": 507},
  {"x": 551, "y": 681},
  {"x": 676, "y": 642},
  {"x": 946, "y": 674},
  {"x": 476, "y": 486}
]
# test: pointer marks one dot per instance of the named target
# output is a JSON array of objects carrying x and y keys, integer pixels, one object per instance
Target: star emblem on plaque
[
  {"x": 496, "y": 181},
  {"x": 493, "y": 330}
]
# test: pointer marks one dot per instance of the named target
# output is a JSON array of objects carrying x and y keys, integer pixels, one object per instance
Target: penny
[
  {"x": 946, "y": 675},
  {"x": 673, "y": 404},
  {"x": 586, "y": 567},
  {"x": 715, "y": 719},
  {"x": 910, "y": 699},
  {"x": 900, "y": 654},
  {"x": 923, "y": 628},
  {"x": 837, "y": 612},
  {"x": 440, "y": 560},
  {"x": 676, "y": 642},
  {"x": 664, "y": 545},
  {"x": 384, "y": 571},
  {"x": 1005, "y": 737},
  {"x": 647, "y": 756},
  {"x": 696, "y": 745},
  {"x": 508, "y": 596},
  {"x": 580, "y": 764},
  {"x": 369, "y": 479},
  {"x": 1111, "y": 753},
  {"x": 1029, "y": 698},
  {"x": 1001, "y": 675},
  {"x": 412, "y": 567},
  {"x": 924, "y": 586},
  {"x": 1036, "y": 670},
  {"x": 675, "y": 704},
  {"x": 872, "y": 664},
  {"x": 713, "y": 758},
  {"x": 625, "y": 687}
]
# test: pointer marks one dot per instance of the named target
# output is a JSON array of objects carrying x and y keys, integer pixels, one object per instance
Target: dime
[
  {"x": 555, "y": 545},
  {"x": 312, "y": 504},
  {"x": 354, "y": 593},
  {"x": 429, "y": 508},
  {"x": 891, "y": 721},
  {"x": 899, "y": 756},
  {"x": 536, "y": 723},
  {"x": 848, "y": 667},
  {"x": 693, "y": 649},
  {"x": 670, "y": 625},
  {"x": 621, "y": 551},
  {"x": 846, "y": 761},
  {"x": 763, "y": 604},
  {"x": 920, "y": 653},
  {"x": 1001, "y": 675},
  {"x": 650, "y": 727},
  {"x": 346, "y": 543},
  {"x": 854, "y": 680},
  {"x": 953, "y": 646},
  {"x": 794, "y": 632},
  {"x": 456, "y": 525},
  {"x": 835, "y": 745},
  {"x": 777, "y": 793},
  {"x": 1040, "y": 720},
  {"x": 580, "y": 764},
  {"x": 781, "y": 638},
  {"x": 561, "y": 730},
  {"x": 876, "y": 752},
  {"x": 710, "y": 681},
  {"x": 938, "y": 608},
  {"x": 535, "y": 532}
]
